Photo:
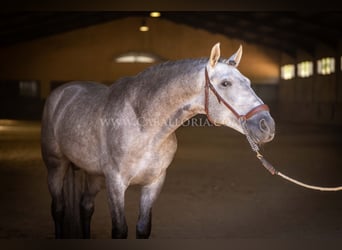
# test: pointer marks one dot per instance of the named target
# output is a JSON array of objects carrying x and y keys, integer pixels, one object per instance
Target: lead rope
[{"x": 272, "y": 169}]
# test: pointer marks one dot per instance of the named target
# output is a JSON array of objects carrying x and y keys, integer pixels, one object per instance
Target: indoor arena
[{"x": 215, "y": 186}]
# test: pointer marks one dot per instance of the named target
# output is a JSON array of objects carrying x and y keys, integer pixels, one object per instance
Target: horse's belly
[
  {"x": 87, "y": 162},
  {"x": 83, "y": 153}
]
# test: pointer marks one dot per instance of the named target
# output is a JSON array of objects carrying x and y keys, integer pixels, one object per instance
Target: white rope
[
  {"x": 308, "y": 186},
  {"x": 273, "y": 171}
]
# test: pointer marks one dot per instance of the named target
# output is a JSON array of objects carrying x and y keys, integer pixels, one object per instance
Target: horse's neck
[{"x": 171, "y": 103}]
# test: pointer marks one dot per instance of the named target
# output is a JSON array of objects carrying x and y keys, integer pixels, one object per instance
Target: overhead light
[
  {"x": 143, "y": 27},
  {"x": 137, "y": 57},
  {"x": 155, "y": 14}
]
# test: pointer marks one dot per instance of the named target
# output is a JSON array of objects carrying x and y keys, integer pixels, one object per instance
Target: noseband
[{"x": 241, "y": 118}]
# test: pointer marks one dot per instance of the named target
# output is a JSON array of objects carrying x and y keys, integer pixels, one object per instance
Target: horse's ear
[
  {"x": 215, "y": 55},
  {"x": 234, "y": 60}
]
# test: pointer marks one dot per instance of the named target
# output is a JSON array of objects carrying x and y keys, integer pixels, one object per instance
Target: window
[
  {"x": 29, "y": 88},
  {"x": 326, "y": 66},
  {"x": 287, "y": 71},
  {"x": 305, "y": 69}
]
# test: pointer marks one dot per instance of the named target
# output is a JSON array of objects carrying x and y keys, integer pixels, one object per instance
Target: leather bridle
[{"x": 249, "y": 114}]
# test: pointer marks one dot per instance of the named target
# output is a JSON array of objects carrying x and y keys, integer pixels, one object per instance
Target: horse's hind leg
[
  {"x": 93, "y": 186},
  {"x": 57, "y": 168}
]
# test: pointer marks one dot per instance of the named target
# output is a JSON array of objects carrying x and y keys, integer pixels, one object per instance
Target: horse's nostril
[{"x": 263, "y": 125}]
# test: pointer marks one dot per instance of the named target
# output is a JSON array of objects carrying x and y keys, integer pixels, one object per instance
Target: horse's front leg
[
  {"x": 116, "y": 197},
  {"x": 148, "y": 196}
]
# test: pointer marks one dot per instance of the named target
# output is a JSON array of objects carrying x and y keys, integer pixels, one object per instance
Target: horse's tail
[{"x": 73, "y": 189}]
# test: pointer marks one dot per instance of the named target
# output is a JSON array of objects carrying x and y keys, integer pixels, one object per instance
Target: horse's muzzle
[{"x": 261, "y": 127}]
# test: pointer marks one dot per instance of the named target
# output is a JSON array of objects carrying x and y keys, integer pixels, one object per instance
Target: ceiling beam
[{"x": 231, "y": 28}]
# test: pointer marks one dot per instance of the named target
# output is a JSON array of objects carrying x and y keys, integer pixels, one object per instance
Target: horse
[{"x": 124, "y": 134}]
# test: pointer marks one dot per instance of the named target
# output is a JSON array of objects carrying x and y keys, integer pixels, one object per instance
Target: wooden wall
[
  {"x": 316, "y": 99},
  {"x": 87, "y": 53}
]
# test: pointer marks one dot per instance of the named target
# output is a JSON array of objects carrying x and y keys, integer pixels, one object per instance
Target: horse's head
[{"x": 230, "y": 100}]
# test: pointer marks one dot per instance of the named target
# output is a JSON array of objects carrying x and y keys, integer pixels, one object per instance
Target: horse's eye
[{"x": 226, "y": 84}]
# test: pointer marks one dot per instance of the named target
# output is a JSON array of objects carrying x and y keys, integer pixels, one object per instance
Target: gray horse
[{"x": 124, "y": 134}]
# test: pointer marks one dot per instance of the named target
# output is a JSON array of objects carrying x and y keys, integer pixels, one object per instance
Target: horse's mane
[
  {"x": 170, "y": 69},
  {"x": 164, "y": 71},
  {"x": 185, "y": 65}
]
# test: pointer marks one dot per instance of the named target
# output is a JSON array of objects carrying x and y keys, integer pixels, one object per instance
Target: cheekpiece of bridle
[{"x": 241, "y": 118}]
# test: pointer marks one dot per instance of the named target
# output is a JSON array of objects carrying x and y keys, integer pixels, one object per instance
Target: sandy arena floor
[{"x": 215, "y": 187}]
